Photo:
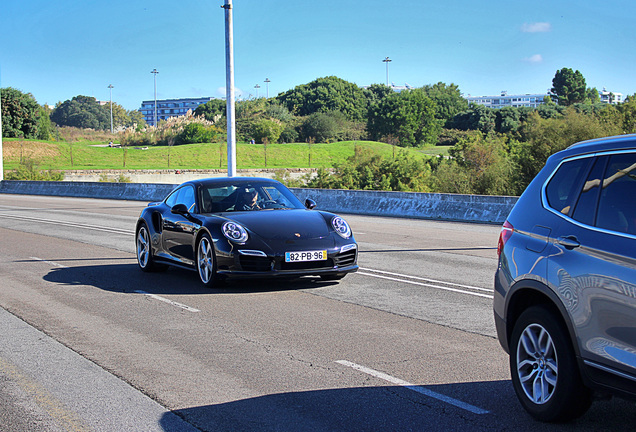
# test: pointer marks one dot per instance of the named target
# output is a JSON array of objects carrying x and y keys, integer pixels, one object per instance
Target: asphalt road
[{"x": 89, "y": 342}]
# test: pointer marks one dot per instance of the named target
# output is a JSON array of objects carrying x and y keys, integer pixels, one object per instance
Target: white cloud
[
  {"x": 537, "y": 58},
  {"x": 538, "y": 27},
  {"x": 221, "y": 92}
]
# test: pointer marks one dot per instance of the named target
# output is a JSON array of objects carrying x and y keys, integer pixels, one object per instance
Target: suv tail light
[{"x": 504, "y": 235}]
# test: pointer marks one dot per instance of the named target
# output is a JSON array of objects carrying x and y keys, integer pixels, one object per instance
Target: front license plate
[{"x": 306, "y": 256}]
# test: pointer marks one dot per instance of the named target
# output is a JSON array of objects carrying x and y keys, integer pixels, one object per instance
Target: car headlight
[
  {"x": 234, "y": 232},
  {"x": 341, "y": 227}
]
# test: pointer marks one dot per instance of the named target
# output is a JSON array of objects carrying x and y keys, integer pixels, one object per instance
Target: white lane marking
[
  {"x": 427, "y": 280},
  {"x": 170, "y": 302},
  {"x": 69, "y": 224},
  {"x": 48, "y": 262},
  {"x": 428, "y": 285},
  {"x": 419, "y": 389}
]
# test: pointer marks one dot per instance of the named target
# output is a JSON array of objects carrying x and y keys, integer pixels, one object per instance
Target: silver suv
[{"x": 565, "y": 287}]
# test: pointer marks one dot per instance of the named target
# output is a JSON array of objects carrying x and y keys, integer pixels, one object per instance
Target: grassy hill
[{"x": 50, "y": 155}]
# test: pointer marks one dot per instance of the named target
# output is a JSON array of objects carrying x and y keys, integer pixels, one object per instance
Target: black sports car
[{"x": 243, "y": 226}]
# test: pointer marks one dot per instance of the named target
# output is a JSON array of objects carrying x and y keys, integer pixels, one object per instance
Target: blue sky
[{"x": 57, "y": 50}]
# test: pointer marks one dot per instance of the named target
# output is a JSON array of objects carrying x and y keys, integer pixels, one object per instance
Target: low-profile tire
[
  {"x": 206, "y": 261},
  {"x": 144, "y": 251},
  {"x": 543, "y": 367}
]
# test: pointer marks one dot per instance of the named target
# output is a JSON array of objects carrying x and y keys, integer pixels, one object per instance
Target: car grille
[
  {"x": 346, "y": 259},
  {"x": 255, "y": 263}
]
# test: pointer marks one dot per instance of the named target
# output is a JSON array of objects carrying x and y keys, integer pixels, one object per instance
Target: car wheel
[
  {"x": 206, "y": 260},
  {"x": 544, "y": 371},
  {"x": 144, "y": 251}
]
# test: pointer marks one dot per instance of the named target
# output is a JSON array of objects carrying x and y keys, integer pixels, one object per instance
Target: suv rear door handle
[{"x": 569, "y": 242}]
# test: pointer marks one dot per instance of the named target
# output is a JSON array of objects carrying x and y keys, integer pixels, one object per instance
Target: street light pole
[
  {"x": 110, "y": 86},
  {"x": 387, "y": 61},
  {"x": 267, "y": 81},
  {"x": 229, "y": 90},
  {"x": 155, "y": 72}
]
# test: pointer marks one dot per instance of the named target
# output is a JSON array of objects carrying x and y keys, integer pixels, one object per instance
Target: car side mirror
[
  {"x": 310, "y": 204},
  {"x": 179, "y": 209}
]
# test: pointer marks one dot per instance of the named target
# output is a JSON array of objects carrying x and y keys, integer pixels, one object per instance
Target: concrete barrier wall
[
  {"x": 124, "y": 191},
  {"x": 448, "y": 207}
]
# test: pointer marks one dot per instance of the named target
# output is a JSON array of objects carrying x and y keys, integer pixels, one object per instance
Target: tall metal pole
[
  {"x": 110, "y": 86},
  {"x": 155, "y": 72},
  {"x": 257, "y": 87},
  {"x": 387, "y": 61},
  {"x": 267, "y": 81},
  {"x": 229, "y": 91}
]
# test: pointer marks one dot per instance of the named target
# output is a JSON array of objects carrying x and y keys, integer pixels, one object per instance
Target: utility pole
[
  {"x": 229, "y": 90},
  {"x": 110, "y": 86},
  {"x": 267, "y": 81},
  {"x": 387, "y": 61},
  {"x": 257, "y": 87},
  {"x": 155, "y": 72}
]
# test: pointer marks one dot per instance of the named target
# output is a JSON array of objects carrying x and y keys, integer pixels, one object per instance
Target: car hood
[{"x": 283, "y": 224}]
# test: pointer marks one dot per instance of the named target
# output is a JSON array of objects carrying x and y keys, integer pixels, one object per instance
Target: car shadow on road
[
  {"x": 127, "y": 278},
  {"x": 392, "y": 408}
]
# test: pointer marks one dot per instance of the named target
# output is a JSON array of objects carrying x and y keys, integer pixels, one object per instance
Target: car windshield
[{"x": 246, "y": 196}]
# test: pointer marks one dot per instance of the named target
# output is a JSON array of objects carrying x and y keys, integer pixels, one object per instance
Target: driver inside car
[{"x": 247, "y": 200}]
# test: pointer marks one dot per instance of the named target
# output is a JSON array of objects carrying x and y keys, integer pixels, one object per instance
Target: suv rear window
[{"x": 564, "y": 186}]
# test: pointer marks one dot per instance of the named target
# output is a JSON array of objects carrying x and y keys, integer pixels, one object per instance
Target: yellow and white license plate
[{"x": 320, "y": 255}]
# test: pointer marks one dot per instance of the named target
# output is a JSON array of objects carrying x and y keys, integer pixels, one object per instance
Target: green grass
[{"x": 86, "y": 156}]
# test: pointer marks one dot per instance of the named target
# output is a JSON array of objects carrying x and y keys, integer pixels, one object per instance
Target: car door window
[
  {"x": 585, "y": 210},
  {"x": 617, "y": 207},
  {"x": 563, "y": 188},
  {"x": 186, "y": 197},
  {"x": 171, "y": 201}
]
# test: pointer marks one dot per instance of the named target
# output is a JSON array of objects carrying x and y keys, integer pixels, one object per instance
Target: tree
[
  {"x": 20, "y": 114},
  {"x": 326, "y": 94},
  {"x": 322, "y": 127},
  {"x": 628, "y": 110},
  {"x": 479, "y": 161},
  {"x": 376, "y": 93},
  {"x": 592, "y": 95},
  {"x": 82, "y": 112},
  {"x": 477, "y": 117},
  {"x": 543, "y": 137},
  {"x": 213, "y": 110},
  {"x": 267, "y": 131},
  {"x": 448, "y": 100},
  {"x": 135, "y": 118},
  {"x": 44, "y": 123},
  {"x": 409, "y": 115},
  {"x": 569, "y": 87}
]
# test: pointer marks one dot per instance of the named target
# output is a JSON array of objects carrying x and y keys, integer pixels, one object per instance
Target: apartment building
[
  {"x": 167, "y": 108},
  {"x": 506, "y": 100}
]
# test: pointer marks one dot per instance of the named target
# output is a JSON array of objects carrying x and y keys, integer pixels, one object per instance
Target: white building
[
  {"x": 167, "y": 108},
  {"x": 610, "y": 97},
  {"x": 506, "y": 100}
]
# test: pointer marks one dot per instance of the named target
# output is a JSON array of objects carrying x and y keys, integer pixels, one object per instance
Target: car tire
[
  {"x": 543, "y": 367},
  {"x": 206, "y": 260},
  {"x": 143, "y": 250}
]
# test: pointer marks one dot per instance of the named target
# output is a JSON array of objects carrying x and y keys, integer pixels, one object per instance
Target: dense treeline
[
  {"x": 494, "y": 151},
  {"x": 22, "y": 117}
]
